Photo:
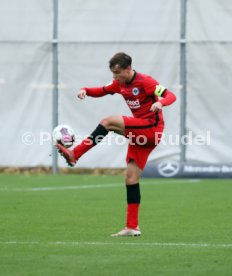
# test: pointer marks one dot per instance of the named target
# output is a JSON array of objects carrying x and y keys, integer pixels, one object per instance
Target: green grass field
[{"x": 61, "y": 225}]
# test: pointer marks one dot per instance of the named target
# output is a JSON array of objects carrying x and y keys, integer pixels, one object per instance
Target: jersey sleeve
[
  {"x": 167, "y": 98},
  {"x": 160, "y": 93},
  {"x": 112, "y": 87},
  {"x": 150, "y": 85},
  {"x": 95, "y": 91},
  {"x": 108, "y": 89}
]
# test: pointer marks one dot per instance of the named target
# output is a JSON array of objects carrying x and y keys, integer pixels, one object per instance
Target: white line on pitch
[
  {"x": 150, "y": 244},
  {"x": 93, "y": 186}
]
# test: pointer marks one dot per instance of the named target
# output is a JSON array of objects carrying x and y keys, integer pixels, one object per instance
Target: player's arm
[
  {"x": 167, "y": 98},
  {"x": 162, "y": 95},
  {"x": 95, "y": 92},
  {"x": 92, "y": 92}
]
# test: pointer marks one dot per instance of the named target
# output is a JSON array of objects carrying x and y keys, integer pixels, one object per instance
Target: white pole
[
  {"x": 55, "y": 81},
  {"x": 183, "y": 77}
]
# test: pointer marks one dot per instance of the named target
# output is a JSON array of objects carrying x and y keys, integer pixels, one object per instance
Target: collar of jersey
[{"x": 129, "y": 82}]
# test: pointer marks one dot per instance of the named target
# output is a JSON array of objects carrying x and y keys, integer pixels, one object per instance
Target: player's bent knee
[
  {"x": 106, "y": 122},
  {"x": 109, "y": 122},
  {"x": 131, "y": 179}
]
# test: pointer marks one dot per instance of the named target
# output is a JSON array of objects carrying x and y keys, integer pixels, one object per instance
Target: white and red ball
[{"x": 64, "y": 135}]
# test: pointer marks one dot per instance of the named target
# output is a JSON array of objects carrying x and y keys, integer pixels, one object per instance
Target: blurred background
[{"x": 51, "y": 48}]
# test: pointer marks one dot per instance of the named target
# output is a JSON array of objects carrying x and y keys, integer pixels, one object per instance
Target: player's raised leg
[{"x": 111, "y": 123}]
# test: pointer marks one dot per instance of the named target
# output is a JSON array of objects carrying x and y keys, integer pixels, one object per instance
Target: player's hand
[
  {"x": 81, "y": 94},
  {"x": 156, "y": 107}
]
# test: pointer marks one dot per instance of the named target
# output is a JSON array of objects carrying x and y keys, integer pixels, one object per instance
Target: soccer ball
[{"x": 64, "y": 135}]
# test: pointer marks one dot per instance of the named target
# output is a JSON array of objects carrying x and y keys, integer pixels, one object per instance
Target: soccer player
[{"x": 145, "y": 97}]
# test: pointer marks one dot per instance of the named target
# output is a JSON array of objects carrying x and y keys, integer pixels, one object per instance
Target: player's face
[{"x": 120, "y": 74}]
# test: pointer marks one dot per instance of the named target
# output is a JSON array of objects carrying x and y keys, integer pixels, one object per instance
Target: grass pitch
[{"x": 61, "y": 225}]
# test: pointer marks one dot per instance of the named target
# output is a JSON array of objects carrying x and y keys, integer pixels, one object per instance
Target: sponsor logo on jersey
[
  {"x": 135, "y": 91},
  {"x": 133, "y": 104}
]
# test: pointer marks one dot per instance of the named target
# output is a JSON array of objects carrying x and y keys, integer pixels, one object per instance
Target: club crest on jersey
[{"x": 135, "y": 91}]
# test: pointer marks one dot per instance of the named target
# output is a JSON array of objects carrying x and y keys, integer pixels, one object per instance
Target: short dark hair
[{"x": 121, "y": 59}]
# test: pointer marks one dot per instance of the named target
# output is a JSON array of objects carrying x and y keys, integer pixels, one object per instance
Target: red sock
[
  {"x": 83, "y": 147},
  {"x": 132, "y": 215},
  {"x": 96, "y": 136}
]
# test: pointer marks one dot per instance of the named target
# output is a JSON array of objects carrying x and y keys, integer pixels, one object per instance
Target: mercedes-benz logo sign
[{"x": 168, "y": 168}]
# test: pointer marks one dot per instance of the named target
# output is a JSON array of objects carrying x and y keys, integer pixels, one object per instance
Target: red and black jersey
[{"x": 139, "y": 95}]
